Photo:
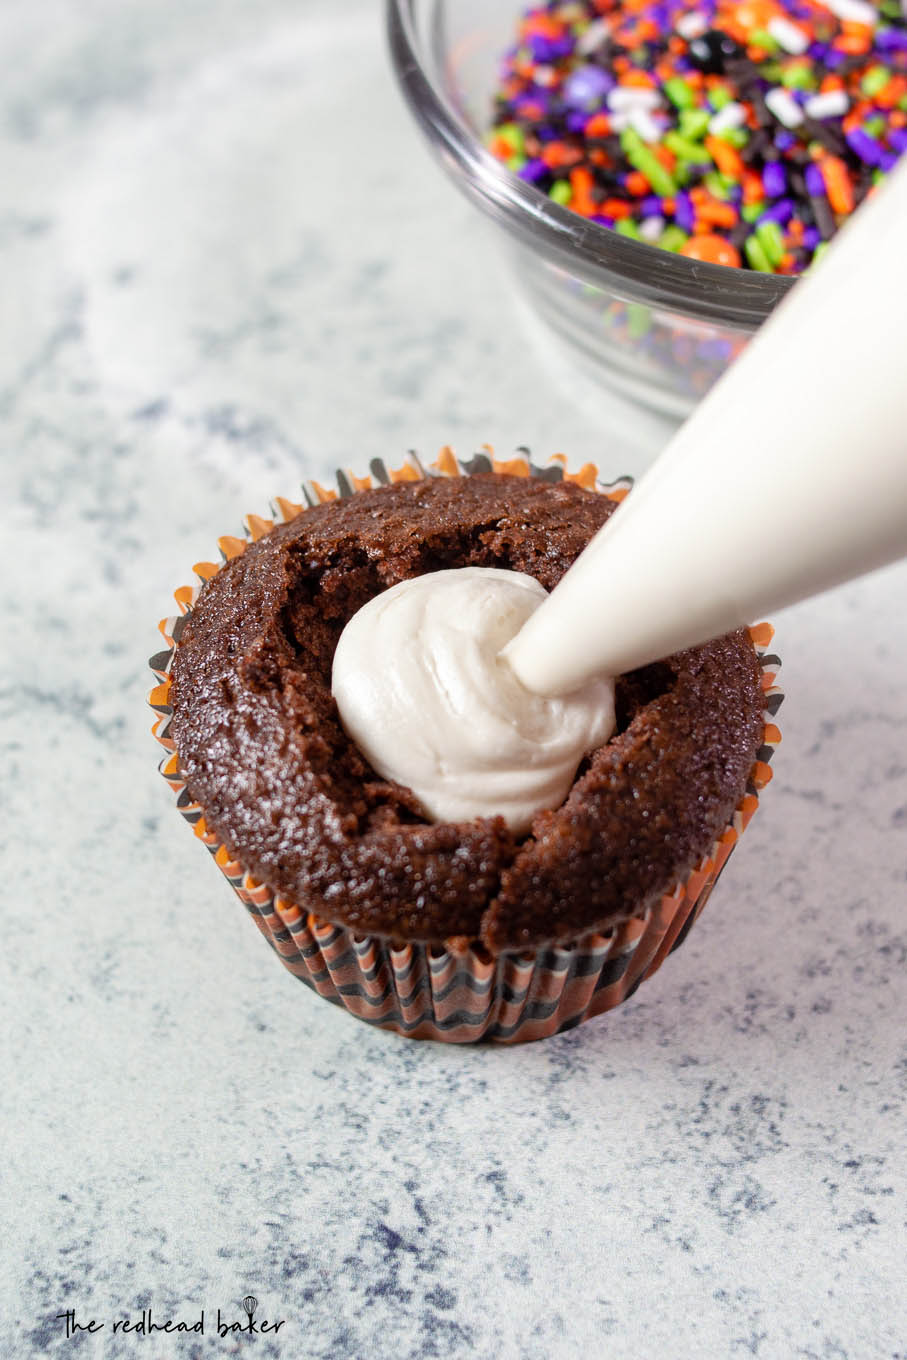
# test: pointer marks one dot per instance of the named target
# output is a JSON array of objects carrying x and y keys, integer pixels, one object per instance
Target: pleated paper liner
[{"x": 456, "y": 992}]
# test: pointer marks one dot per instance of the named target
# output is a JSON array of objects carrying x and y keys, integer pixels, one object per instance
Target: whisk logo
[{"x": 250, "y": 1326}]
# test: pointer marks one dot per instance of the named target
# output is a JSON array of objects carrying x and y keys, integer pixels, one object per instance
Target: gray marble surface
[{"x": 226, "y": 263}]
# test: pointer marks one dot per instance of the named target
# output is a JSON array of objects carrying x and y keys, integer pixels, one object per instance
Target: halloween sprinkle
[{"x": 741, "y": 132}]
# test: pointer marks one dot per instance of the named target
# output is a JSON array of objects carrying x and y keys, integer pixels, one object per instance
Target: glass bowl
[{"x": 657, "y": 327}]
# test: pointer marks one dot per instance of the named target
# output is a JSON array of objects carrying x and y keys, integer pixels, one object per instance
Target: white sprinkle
[
  {"x": 784, "y": 107},
  {"x": 832, "y": 104},
  {"x": 788, "y": 35},
  {"x": 645, "y": 125},
  {"x": 690, "y": 26},
  {"x": 651, "y": 228},
  {"x": 731, "y": 116},
  {"x": 626, "y": 98},
  {"x": 853, "y": 11},
  {"x": 544, "y": 75},
  {"x": 593, "y": 37}
]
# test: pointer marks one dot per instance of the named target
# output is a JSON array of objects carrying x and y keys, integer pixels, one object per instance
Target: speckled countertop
[{"x": 226, "y": 263}]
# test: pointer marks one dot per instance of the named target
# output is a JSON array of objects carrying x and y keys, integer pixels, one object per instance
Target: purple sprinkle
[
  {"x": 684, "y": 212},
  {"x": 866, "y": 147},
  {"x": 784, "y": 140},
  {"x": 650, "y": 207},
  {"x": 782, "y": 211},
  {"x": 898, "y": 138},
  {"x": 604, "y": 221},
  {"x": 542, "y": 49},
  {"x": 833, "y": 59},
  {"x": 887, "y": 39},
  {"x": 576, "y": 121},
  {"x": 812, "y": 236},
  {"x": 888, "y": 161},
  {"x": 533, "y": 171},
  {"x": 774, "y": 180},
  {"x": 715, "y": 349},
  {"x": 586, "y": 87},
  {"x": 815, "y": 184}
]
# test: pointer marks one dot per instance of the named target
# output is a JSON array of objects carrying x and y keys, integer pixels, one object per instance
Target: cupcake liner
[{"x": 457, "y": 992}]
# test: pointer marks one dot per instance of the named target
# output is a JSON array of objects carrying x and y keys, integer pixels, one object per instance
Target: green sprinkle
[
  {"x": 878, "y": 176},
  {"x": 715, "y": 184},
  {"x": 798, "y": 77},
  {"x": 515, "y": 163},
  {"x": 694, "y": 123},
  {"x": 639, "y": 320},
  {"x": 757, "y": 256},
  {"x": 720, "y": 96},
  {"x": 679, "y": 92},
  {"x": 902, "y": 103},
  {"x": 875, "y": 126},
  {"x": 561, "y": 192},
  {"x": 751, "y": 212},
  {"x": 643, "y": 159},
  {"x": 694, "y": 152},
  {"x": 760, "y": 37},
  {"x": 819, "y": 251},
  {"x": 875, "y": 79},
  {"x": 672, "y": 238},
  {"x": 771, "y": 240},
  {"x": 735, "y": 136},
  {"x": 627, "y": 227},
  {"x": 512, "y": 134}
]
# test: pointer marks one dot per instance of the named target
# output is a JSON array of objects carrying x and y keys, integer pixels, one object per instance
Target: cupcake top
[{"x": 263, "y": 752}]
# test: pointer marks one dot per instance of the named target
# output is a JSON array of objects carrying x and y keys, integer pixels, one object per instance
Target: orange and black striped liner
[{"x": 459, "y": 995}]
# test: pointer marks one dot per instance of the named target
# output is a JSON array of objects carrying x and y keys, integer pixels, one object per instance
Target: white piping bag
[{"x": 789, "y": 478}]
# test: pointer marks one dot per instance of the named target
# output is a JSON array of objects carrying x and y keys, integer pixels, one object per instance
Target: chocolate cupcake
[{"x": 464, "y": 930}]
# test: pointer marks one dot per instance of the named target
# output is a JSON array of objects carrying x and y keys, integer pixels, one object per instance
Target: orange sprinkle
[
  {"x": 557, "y": 154},
  {"x": 638, "y": 78},
  {"x": 718, "y": 214},
  {"x": 753, "y": 189},
  {"x": 711, "y": 249},
  {"x": 831, "y": 82},
  {"x": 599, "y": 125},
  {"x": 582, "y": 183},
  {"x": 725, "y": 157},
  {"x": 542, "y": 24},
  {"x": 615, "y": 207},
  {"x": 852, "y": 46},
  {"x": 837, "y": 184},
  {"x": 637, "y": 184},
  {"x": 665, "y": 155},
  {"x": 889, "y": 95}
]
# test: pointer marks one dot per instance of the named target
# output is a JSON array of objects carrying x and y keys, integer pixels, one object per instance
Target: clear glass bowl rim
[{"x": 740, "y": 298}]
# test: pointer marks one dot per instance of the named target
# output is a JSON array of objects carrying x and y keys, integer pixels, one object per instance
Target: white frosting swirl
[{"x": 426, "y": 695}]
